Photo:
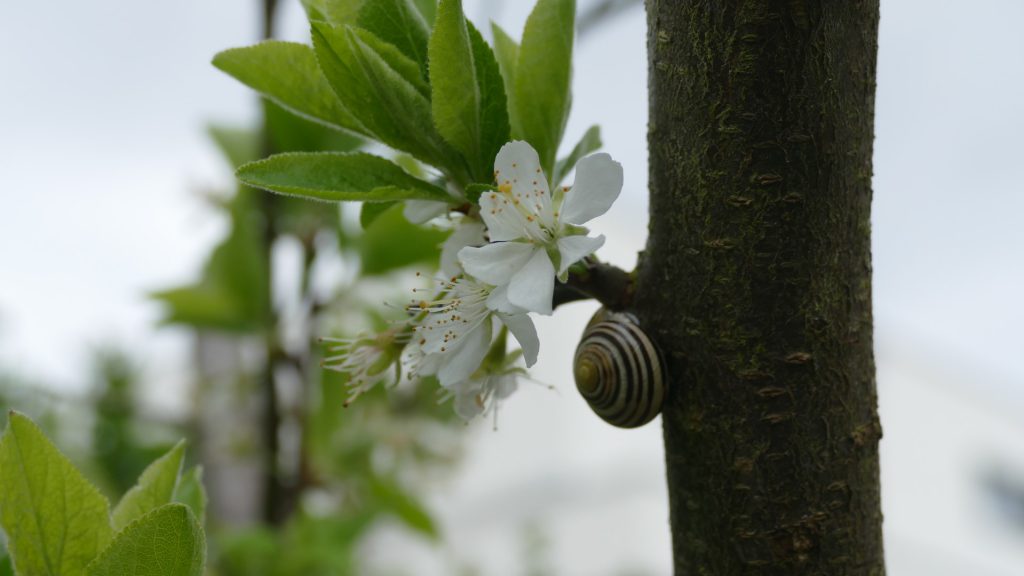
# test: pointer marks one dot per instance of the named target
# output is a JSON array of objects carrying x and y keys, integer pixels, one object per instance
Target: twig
[{"x": 609, "y": 285}]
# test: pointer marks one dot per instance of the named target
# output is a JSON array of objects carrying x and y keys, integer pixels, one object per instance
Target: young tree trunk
[{"x": 756, "y": 282}]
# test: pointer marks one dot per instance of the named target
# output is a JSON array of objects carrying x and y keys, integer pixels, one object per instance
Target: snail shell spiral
[{"x": 619, "y": 370}]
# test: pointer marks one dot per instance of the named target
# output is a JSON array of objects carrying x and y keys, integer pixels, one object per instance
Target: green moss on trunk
[{"x": 757, "y": 282}]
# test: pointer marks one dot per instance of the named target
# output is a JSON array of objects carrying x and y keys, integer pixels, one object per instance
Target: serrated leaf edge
[
  {"x": 124, "y": 531},
  {"x": 11, "y": 415},
  {"x": 427, "y": 185}
]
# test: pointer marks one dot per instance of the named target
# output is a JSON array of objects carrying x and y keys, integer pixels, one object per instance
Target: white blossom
[
  {"x": 534, "y": 235},
  {"x": 468, "y": 232},
  {"x": 482, "y": 393},
  {"x": 365, "y": 360},
  {"x": 455, "y": 330}
]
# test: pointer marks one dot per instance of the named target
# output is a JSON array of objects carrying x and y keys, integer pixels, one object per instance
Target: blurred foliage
[
  {"x": 391, "y": 242},
  {"x": 117, "y": 446},
  {"x": 57, "y": 522}
]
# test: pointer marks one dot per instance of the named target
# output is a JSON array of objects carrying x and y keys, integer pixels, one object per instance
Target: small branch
[
  {"x": 276, "y": 507},
  {"x": 609, "y": 285}
]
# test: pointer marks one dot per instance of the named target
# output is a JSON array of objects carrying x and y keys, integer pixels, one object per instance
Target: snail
[{"x": 619, "y": 370}]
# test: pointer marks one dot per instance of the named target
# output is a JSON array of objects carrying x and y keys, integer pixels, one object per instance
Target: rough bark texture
[{"x": 756, "y": 281}]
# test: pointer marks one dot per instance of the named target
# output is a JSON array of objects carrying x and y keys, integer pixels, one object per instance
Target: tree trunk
[{"x": 756, "y": 282}]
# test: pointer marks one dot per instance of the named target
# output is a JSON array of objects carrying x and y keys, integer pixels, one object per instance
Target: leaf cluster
[
  {"x": 421, "y": 80},
  {"x": 233, "y": 292},
  {"x": 58, "y": 524}
]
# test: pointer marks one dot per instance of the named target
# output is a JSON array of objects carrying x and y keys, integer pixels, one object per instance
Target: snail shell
[{"x": 619, "y": 370}]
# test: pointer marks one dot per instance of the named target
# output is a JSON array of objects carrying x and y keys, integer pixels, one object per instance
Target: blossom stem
[{"x": 613, "y": 287}]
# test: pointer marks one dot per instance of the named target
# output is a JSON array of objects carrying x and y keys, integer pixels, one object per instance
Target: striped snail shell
[{"x": 619, "y": 370}]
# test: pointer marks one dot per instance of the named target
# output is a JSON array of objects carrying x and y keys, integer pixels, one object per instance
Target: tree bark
[{"x": 756, "y": 282}]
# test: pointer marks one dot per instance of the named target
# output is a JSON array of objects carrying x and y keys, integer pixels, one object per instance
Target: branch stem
[{"x": 609, "y": 285}]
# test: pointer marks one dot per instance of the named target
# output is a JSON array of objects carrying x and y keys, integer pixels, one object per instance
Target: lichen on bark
[{"x": 756, "y": 282}]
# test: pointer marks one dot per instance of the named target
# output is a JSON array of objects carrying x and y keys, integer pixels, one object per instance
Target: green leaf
[
  {"x": 238, "y": 146},
  {"x": 393, "y": 498},
  {"x": 166, "y": 542},
  {"x": 5, "y": 565},
  {"x": 370, "y": 211},
  {"x": 333, "y": 11},
  {"x": 590, "y": 142},
  {"x": 455, "y": 94},
  {"x": 335, "y": 177},
  {"x": 191, "y": 493},
  {"x": 203, "y": 306},
  {"x": 468, "y": 97},
  {"x": 154, "y": 488},
  {"x": 391, "y": 242},
  {"x": 287, "y": 73},
  {"x": 398, "y": 22},
  {"x": 290, "y": 133},
  {"x": 507, "y": 52},
  {"x": 233, "y": 292},
  {"x": 56, "y": 521},
  {"x": 544, "y": 76},
  {"x": 494, "y": 122},
  {"x": 376, "y": 86},
  {"x": 370, "y": 48},
  {"x": 474, "y": 191},
  {"x": 428, "y": 8}
]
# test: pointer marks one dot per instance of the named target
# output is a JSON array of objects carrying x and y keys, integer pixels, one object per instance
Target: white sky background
[{"x": 102, "y": 154}]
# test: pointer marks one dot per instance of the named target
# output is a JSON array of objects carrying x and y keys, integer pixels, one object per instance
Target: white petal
[
  {"x": 469, "y": 232},
  {"x": 495, "y": 263},
  {"x": 420, "y": 211},
  {"x": 429, "y": 364},
  {"x": 525, "y": 332},
  {"x": 532, "y": 288},
  {"x": 504, "y": 221},
  {"x": 498, "y": 301},
  {"x": 517, "y": 171},
  {"x": 518, "y": 165},
  {"x": 466, "y": 357},
  {"x": 504, "y": 386},
  {"x": 574, "y": 248},
  {"x": 468, "y": 404},
  {"x": 598, "y": 184}
]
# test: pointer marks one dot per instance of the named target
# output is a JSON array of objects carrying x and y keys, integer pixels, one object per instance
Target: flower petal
[
  {"x": 521, "y": 326},
  {"x": 498, "y": 301},
  {"x": 469, "y": 232},
  {"x": 574, "y": 248},
  {"x": 517, "y": 165},
  {"x": 598, "y": 184},
  {"x": 466, "y": 357},
  {"x": 495, "y": 263},
  {"x": 533, "y": 286},
  {"x": 504, "y": 220},
  {"x": 420, "y": 211},
  {"x": 518, "y": 174},
  {"x": 503, "y": 385},
  {"x": 428, "y": 364},
  {"x": 468, "y": 403}
]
